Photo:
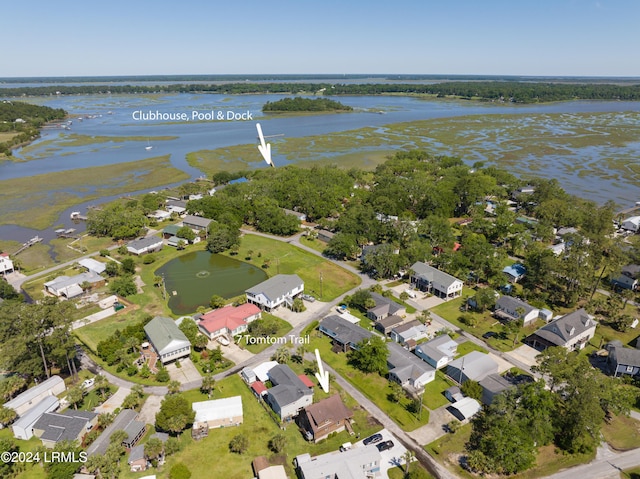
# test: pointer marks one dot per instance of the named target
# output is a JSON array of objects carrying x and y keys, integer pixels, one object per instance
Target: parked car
[
  {"x": 222, "y": 340},
  {"x": 308, "y": 297},
  {"x": 372, "y": 439},
  {"x": 87, "y": 383},
  {"x": 385, "y": 446},
  {"x": 489, "y": 334}
]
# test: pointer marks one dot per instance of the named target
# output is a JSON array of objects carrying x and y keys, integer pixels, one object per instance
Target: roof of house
[
  {"x": 345, "y": 465},
  {"x": 429, "y": 273},
  {"x": 136, "y": 454},
  {"x": 632, "y": 270},
  {"x": 273, "y": 472},
  {"x": 217, "y": 409},
  {"x": 65, "y": 282},
  {"x": 384, "y": 305},
  {"x": 178, "y": 203},
  {"x": 258, "y": 387},
  {"x": 410, "y": 329},
  {"x": 563, "y": 329},
  {"x": 277, "y": 286},
  {"x": 288, "y": 387},
  {"x": 495, "y": 383},
  {"x": 329, "y": 410},
  {"x": 31, "y": 393},
  {"x": 262, "y": 370},
  {"x": 439, "y": 347},
  {"x": 509, "y": 303},
  {"x": 305, "y": 380},
  {"x": 467, "y": 407},
  {"x": 390, "y": 321},
  {"x": 125, "y": 421},
  {"x": 63, "y": 426},
  {"x": 623, "y": 356},
  {"x": 171, "y": 229},
  {"x": 326, "y": 233},
  {"x": 516, "y": 270},
  {"x": 230, "y": 317},
  {"x": 93, "y": 265},
  {"x": 49, "y": 403},
  {"x": 144, "y": 243},
  {"x": 404, "y": 364},
  {"x": 345, "y": 332},
  {"x": 475, "y": 365},
  {"x": 196, "y": 221},
  {"x": 632, "y": 219},
  {"x": 162, "y": 331}
]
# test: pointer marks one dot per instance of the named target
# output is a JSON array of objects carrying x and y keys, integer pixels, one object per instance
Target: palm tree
[
  {"x": 282, "y": 355},
  {"x": 75, "y": 395},
  {"x": 101, "y": 384},
  {"x": 207, "y": 384},
  {"x": 408, "y": 457},
  {"x": 105, "y": 419},
  {"x": 174, "y": 387},
  {"x": 153, "y": 448}
]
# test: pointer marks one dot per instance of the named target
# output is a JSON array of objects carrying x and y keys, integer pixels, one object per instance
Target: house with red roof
[{"x": 228, "y": 321}]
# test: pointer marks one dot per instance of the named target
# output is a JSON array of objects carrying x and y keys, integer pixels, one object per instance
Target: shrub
[
  {"x": 162, "y": 375},
  {"x": 179, "y": 471}
]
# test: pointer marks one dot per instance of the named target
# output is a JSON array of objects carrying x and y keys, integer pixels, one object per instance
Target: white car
[
  {"x": 222, "y": 340},
  {"x": 87, "y": 383}
]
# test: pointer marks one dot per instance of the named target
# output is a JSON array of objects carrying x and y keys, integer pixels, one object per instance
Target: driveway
[
  {"x": 503, "y": 365},
  {"x": 525, "y": 354},
  {"x": 295, "y": 319},
  {"x": 149, "y": 409},
  {"x": 186, "y": 373},
  {"x": 114, "y": 401},
  {"x": 438, "y": 419},
  {"x": 390, "y": 458},
  {"x": 233, "y": 352}
]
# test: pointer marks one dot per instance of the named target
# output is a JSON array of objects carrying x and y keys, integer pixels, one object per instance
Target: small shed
[{"x": 466, "y": 408}]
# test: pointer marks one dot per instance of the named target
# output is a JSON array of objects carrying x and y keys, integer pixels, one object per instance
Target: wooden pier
[{"x": 28, "y": 244}]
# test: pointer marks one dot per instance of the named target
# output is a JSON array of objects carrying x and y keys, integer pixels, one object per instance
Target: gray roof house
[
  {"x": 384, "y": 307},
  {"x": 125, "y": 421},
  {"x": 492, "y": 385},
  {"x": 69, "y": 425},
  {"x": 507, "y": 308},
  {"x": 150, "y": 244},
  {"x": 407, "y": 369},
  {"x": 412, "y": 330},
  {"x": 288, "y": 394},
  {"x": 432, "y": 280},
  {"x": 23, "y": 427},
  {"x": 32, "y": 396},
  {"x": 272, "y": 293},
  {"x": 196, "y": 223},
  {"x": 356, "y": 463},
  {"x": 437, "y": 352},
  {"x": 343, "y": 333},
  {"x": 475, "y": 366},
  {"x": 572, "y": 331},
  {"x": 69, "y": 287},
  {"x": 625, "y": 281},
  {"x": 623, "y": 360},
  {"x": 168, "y": 341},
  {"x": 386, "y": 325}
]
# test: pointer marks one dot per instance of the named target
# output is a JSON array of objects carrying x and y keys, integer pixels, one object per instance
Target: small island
[{"x": 299, "y": 104}]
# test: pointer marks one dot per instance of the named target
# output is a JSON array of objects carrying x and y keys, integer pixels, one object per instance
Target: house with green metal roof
[{"x": 166, "y": 338}]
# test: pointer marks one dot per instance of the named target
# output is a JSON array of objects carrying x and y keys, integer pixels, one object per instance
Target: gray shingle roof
[
  {"x": 509, "y": 303},
  {"x": 384, "y": 305},
  {"x": 475, "y": 366},
  {"x": 143, "y": 243},
  {"x": 429, "y": 273},
  {"x": 277, "y": 286},
  {"x": 345, "y": 332},
  {"x": 63, "y": 426},
  {"x": 439, "y": 347},
  {"x": 125, "y": 421},
  {"x": 623, "y": 356},
  {"x": 196, "y": 221},
  {"x": 560, "y": 331},
  {"x": 288, "y": 387},
  {"x": 404, "y": 364}
]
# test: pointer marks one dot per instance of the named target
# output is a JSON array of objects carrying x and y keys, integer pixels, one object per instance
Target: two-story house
[{"x": 272, "y": 293}]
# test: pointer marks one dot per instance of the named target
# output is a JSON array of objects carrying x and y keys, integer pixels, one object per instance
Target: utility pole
[{"x": 320, "y": 284}]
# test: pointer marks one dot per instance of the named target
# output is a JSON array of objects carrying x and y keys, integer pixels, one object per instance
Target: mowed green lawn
[
  {"x": 210, "y": 457},
  {"x": 288, "y": 259}
]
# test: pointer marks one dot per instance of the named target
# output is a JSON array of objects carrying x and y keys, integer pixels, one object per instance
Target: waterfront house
[
  {"x": 166, "y": 338},
  {"x": 278, "y": 290}
]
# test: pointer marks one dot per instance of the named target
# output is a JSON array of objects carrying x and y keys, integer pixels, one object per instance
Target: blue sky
[{"x": 491, "y": 37}]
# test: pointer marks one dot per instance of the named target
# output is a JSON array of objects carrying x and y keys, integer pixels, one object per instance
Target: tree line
[
  {"x": 305, "y": 104},
  {"x": 510, "y": 91},
  {"x": 31, "y": 118}
]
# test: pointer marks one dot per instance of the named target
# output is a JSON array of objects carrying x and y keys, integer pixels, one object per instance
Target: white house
[
  {"x": 510, "y": 309},
  {"x": 288, "y": 394},
  {"x": 407, "y": 369},
  {"x": 412, "y": 330},
  {"x": 474, "y": 365},
  {"x": 228, "y": 321},
  {"x": 69, "y": 287},
  {"x": 432, "y": 280},
  {"x": 168, "y": 341},
  {"x": 218, "y": 412},
  {"x": 438, "y": 352},
  {"x": 32, "y": 396},
  {"x": 91, "y": 264},
  {"x": 572, "y": 331},
  {"x": 6, "y": 265},
  {"x": 272, "y": 293},
  {"x": 632, "y": 224},
  {"x": 150, "y": 244}
]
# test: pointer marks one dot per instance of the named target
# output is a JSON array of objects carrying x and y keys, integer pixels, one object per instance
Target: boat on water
[{"x": 149, "y": 146}]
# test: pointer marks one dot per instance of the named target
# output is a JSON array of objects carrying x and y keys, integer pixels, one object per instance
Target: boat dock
[
  {"x": 28, "y": 244},
  {"x": 76, "y": 216}
]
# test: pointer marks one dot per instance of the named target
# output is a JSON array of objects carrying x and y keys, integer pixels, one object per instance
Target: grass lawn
[
  {"x": 631, "y": 473},
  {"x": 288, "y": 259},
  {"x": 29, "y": 470},
  {"x": 375, "y": 387},
  {"x": 316, "y": 244},
  {"x": 91, "y": 334},
  {"x": 210, "y": 457},
  {"x": 283, "y": 329},
  {"x": 622, "y": 433},
  {"x": 414, "y": 468},
  {"x": 434, "y": 391},
  {"x": 94, "y": 398},
  {"x": 467, "y": 347},
  {"x": 447, "y": 449}
]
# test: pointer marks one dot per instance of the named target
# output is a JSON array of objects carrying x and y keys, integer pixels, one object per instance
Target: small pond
[{"x": 191, "y": 279}]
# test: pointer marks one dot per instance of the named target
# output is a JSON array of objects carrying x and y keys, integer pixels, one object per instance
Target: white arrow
[
  {"x": 264, "y": 148},
  {"x": 322, "y": 375}
]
